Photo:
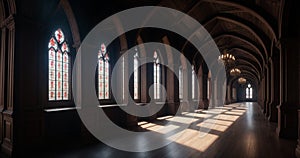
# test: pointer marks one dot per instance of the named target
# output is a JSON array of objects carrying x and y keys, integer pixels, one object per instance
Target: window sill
[
  {"x": 111, "y": 105},
  {"x": 60, "y": 109}
]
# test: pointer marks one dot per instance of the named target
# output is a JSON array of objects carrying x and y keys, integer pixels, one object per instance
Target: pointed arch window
[
  {"x": 123, "y": 78},
  {"x": 103, "y": 73},
  {"x": 136, "y": 75},
  {"x": 180, "y": 83},
  {"x": 208, "y": 88},
  {"x": 249, "y": 91},
  {"x": 156, "y": 75},
  {"x": 59, "y": 67},
  {"x": 193, "y": 83}
]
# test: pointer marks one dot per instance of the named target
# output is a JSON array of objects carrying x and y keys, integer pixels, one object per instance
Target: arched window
[
  {"x": 180, "y": 83},
  {"x": 208, "y": 84},
  {"x": 123, "y": 78},
  {"x": 249, "y": 92},
  {"x": 103, "y": 73},
  {"x": 136, "y": 75},
  {"x": 59, "y": 67},
  {"x": 156, "y": 74},
  {"x": 193, "y": 83},
  {"x": 208, "y": 88}
]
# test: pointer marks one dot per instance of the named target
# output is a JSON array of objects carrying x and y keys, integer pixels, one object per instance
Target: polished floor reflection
[{"x": 235, "y": 130}]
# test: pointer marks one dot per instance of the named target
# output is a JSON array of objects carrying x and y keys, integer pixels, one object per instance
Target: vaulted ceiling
[{"x": 250, "y": 29}]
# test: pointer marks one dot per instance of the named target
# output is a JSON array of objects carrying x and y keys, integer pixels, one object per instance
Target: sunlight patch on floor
[
  {"x": 234, "y": 113},
  {"x": 160, "y": 128},
  {"x": 191, "y": 138},
  {"x": 220, "y": 122},
  {"x": 226, "y": 117},
  {"x": 198, "y": 115},
  {"x": 142, "y": 123},
  {"x": 150, "y": 125},
  {"x": 182, "y": 119},
  {"x": 214, "y": 126},
  {"x": 164, "y": 117},
  {"x": 205, "y": 126}
]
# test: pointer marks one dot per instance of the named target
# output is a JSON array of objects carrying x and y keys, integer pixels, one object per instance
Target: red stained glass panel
[{"x": 58, "y": 67}]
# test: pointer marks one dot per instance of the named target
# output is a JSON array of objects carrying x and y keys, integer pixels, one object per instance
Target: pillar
[
  {"x": 289, "y": 98},
  {"x": 185, "y": 99},
  {"x": 172, "y": 107},
  {"x": 228, "y": 94},
  {"x": 267, "y": 91},
  {"x": 203, "y": 87},
  {"x": 7, "y": 129},
  {"x": 2, "y": 79},
  {"x": 274, "y": 101}
]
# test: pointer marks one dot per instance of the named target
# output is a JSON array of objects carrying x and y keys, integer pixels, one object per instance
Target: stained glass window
[
  {"x": 136, "y": 75},
  {"x": 156, "y": 75},
  {"x": 59, "y": 67},
  {"x": 180, "y": 83},
  {"x": 103, "y": 73},
  {"x": 249, "y": 92}
]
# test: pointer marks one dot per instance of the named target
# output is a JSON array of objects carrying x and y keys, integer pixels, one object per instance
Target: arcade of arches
[{"x": 40, "y": 39}]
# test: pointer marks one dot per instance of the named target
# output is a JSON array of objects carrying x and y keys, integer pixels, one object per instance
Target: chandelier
[
  {"x": 242, "y": 80},
  {"x": 226, "y": 58},
  {"x": 235, "y": 72}
]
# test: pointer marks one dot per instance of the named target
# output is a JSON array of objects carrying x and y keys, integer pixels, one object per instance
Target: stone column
[
  {"x": 274, "y": 101},
  {"x": 144, "y": 84},
  {"x": 263, "y": 94},
  {"x": 214, "y": 93},
  {"x": 297, "y": 151},
  {"x": 228, "y": 94},
  {"x": 267, "y": 91},
  {"x": 2, "y": 79},
  {"x": 172, "y": 107},
  {"x": 298, "y": 145},
  {"x": 203, "y": 102},
  {"x": 289, "y": 98},
  {"x": 200, "y": 90},
  {"x": 7, "y": 145},
  {"x": 185, "y": 85}
]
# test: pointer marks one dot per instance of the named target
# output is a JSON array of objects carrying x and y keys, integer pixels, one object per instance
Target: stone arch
[
  {"x": 229, "y": 20},
  {"x": 250, "y": 11},
  {"x": 72, "y": 23}
]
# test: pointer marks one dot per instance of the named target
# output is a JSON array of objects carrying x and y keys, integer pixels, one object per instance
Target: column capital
[
  {"x": 8, "y": 22},
  {"x": 76, "y": 45}
]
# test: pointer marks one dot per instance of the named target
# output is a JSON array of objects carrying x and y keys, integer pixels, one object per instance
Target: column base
[
  {"x": 173, "y": 108},
  {"x": 228, "y": 102},
  {"x": 220, "y": 102},
  {"x": 287, "y": 121},
  {"x": 273, "y": 117},
  {"x": 297, "y": 151},
  {"x": 184, "y": 106},
  {"x": 203, "y": 104},
  {"x": 267, "y": 111},
  {"x": 264, "y": 104},
  {"x": 7, "y": 144},
  {"x": 132, "y": 121}
]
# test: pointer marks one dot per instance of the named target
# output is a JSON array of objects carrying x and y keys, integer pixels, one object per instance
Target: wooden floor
[{"x": 238, "y": 131}]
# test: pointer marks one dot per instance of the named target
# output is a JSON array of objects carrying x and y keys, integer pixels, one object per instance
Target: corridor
[
  {"x": 238, "y": 130},
  {"x": 206, "y": 78}
]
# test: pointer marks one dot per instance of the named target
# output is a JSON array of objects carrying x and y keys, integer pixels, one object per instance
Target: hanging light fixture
[
  {"x": 226, "y": 58},
  {"x": 235, "y": 72},
  {"x": 242, "y": 80}
]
